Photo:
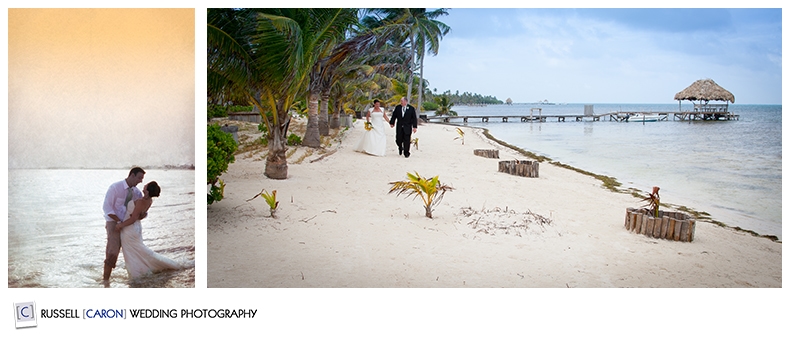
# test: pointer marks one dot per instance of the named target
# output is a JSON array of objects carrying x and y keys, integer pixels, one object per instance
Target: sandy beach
[{"x": 337, "y": 226}]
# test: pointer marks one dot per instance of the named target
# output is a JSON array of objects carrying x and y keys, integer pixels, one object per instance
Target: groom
[
  {"x": 407, "y": 124},
  {"x": 118, "y": 196}
]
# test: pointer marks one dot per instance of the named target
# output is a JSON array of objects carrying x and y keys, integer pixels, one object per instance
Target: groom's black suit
[{"x": 407, "y": 119}]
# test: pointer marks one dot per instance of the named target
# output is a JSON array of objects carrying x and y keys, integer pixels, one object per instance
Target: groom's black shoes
[{"x": 400, "y": 151}]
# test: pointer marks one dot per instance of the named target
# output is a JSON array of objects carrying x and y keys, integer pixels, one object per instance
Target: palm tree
[
  {"x": 423, "y": 31},
  {"x": 366, "y": 47},
  {"x": 263, "y": 54},
  {"x": 328, "y": 30},
  {"x": 445, "y": 106},
  {"x": 430, "y": 31}
]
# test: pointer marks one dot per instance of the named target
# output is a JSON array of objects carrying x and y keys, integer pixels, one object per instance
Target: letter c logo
[{"x": 22, "y": 311}]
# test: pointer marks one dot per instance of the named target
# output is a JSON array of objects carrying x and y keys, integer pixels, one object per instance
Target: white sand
[{"x": 337, "y": 226}]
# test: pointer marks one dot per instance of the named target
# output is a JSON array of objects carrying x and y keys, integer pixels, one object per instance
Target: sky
[
  {"x": 101, "y": 88},
  {"x": 609, "y": 55}
]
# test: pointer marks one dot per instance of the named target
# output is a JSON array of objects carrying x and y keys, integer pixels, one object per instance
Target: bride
[
  {"x": 138, "y": 258},
  {"x": 374, "y": 141}
]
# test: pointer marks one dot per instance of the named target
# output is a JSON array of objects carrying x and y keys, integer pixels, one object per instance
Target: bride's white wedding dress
[
  {"x": 138, "y": 258},
  {"x": 374, "y": 141}
]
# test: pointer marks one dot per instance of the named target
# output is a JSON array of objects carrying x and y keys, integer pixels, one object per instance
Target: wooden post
[
  {"x": 675, "y": 226},
  {"x": 664, "y": 227},
  {"x": 657, "y": 227},
  {"x": 520, "y": 168},
  {"x": 628, "y": 213},
  {"x": 638, "y": 225},
  {"x": 692, "y": 228},
  {"x": 671, "y": 229},
  {"x": 684, "y": 231},
  {"x": 489, "y": 153}
]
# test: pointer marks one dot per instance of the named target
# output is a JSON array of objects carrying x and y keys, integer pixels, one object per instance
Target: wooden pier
[{"x": 612, "y": 116}]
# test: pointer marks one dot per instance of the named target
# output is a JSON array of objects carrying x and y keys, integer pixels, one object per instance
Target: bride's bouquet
[{"x": 368, "y": 126}]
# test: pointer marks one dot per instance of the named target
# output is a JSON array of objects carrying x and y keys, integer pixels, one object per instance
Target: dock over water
[{"x": 612, "y": 116}]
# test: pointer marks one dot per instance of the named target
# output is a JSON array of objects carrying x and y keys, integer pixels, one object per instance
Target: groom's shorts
[{"x": 113, "y": 245}]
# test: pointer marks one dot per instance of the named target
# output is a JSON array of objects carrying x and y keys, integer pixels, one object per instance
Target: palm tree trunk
[
  {"x": 334, "y": 121},
  {"x": 276, "y": 162},
  {"x": 411, "y": 65},
  {"x": 323, "y": 115},
  {"x": 312, "y": 137},
  {"x": 419, "y": 94}
]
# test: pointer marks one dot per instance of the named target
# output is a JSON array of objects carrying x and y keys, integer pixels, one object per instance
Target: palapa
[{"x": 705, "y": 90}]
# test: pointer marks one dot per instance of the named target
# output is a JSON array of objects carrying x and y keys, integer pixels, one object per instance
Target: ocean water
[
  {"x": 56, "y": 235},
  {"x": 729, "y": 169}
]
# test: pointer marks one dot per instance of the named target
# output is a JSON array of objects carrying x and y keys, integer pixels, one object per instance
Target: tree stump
[
  {"x": 489, "y": 153},
  {"x": 673, "y": 226},
  {"x": 519, "y": 168}
]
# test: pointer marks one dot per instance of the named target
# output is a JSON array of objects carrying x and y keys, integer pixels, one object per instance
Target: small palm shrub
[
  {"x": 430, "y": 190},
  {"x": 653, "y": 201},
  {"x": 460, "y": 135},
  {"x": 271, "y": 200},
  {"x": 443, "y": 106}
]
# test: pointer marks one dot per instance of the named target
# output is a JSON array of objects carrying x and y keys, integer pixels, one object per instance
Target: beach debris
[
  {"x": 430, "y": 190},
  {"x": 308, "y": 219},
  {"x": 324, "y": 156},
  {"x": 506, "y": 221}
]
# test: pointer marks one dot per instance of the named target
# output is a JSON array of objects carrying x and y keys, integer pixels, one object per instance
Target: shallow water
[
  {"x": 56, "y": 235},
  {"x": 729, "y": 169}
]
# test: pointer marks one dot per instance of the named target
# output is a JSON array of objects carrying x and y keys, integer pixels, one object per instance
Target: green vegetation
[
  {"x": 221, "y": 147},
  {"x": 430, "y": 190},
  {"x": 429, "y": 106},
  {"x": 294, "y": 140},
  {"x": 467, "y": 98},
  {"x": 315, "y": 60},
  {"x": 271, "y": 200},
  {"x": 444, "y": 106},
  {"x": 216, "y": 110}
]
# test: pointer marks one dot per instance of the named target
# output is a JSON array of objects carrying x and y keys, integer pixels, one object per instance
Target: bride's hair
[{"x": 153, "y": 189}]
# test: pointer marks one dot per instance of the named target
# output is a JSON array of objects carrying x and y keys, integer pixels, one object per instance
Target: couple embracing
[
  {"x": 404, "y": 120},
  {"x": 124, "y": 207}
]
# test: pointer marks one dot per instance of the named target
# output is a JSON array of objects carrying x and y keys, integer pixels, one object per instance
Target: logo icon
[{"x": 25, "y": 314}]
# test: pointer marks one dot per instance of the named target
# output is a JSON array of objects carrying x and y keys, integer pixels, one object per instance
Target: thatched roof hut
[{"x": 705, "y": 90}]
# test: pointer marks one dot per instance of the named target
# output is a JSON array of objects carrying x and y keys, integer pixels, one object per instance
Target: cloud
[{"x": 603, "y": 55}]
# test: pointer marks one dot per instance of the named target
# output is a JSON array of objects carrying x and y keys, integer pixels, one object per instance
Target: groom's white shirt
[{"x": 113, "y": 200}]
